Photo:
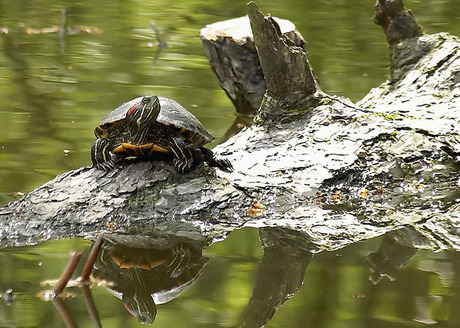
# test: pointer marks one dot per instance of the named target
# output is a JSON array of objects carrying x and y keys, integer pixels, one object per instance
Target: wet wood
[
  {"x": 67, "y": 273},
  {"x": 318, "y": 164},
  {"x": 287, "y": 71},
  {"x": 229, "y": 47},
  {"x": 400, "y": 28},
  {"x": 398, "y": 22}
]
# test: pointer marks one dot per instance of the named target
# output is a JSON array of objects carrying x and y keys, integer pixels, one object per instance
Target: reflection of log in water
[
  {"x": 395, "y": 252},
  {"x": 281, "y": 273},
  {"x": 64, "y": 30}
]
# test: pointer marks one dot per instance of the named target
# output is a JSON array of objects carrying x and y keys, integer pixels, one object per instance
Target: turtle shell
[
  {"x": 148, "y": 270},
  {"x": 171, "y": 114}
]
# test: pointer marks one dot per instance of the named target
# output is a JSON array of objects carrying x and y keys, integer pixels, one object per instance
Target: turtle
[
  {"x": 144, "y": 273},
  {"x": 149, "y": 126}
]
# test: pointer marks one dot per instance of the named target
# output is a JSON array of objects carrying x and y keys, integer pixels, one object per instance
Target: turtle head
[
  {"x": 141, "y": 116},
  {"x": 143, "y": 308}
]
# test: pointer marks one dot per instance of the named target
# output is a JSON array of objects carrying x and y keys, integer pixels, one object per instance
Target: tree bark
[
  {"x": 288, "y": 74},
  {"x": 229, "y": 47},
  {"x": 397, "y": 22}
]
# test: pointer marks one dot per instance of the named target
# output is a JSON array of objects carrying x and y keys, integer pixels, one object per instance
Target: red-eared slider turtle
[
  {"x": 148, "y": 275},
  {"x": 149, "y": 125}
]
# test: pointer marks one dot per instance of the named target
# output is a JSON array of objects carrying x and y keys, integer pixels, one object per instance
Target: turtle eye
[{"x": 146, "y": 99}]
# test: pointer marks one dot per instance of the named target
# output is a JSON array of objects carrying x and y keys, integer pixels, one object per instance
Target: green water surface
[{"x": 54, "y": 91}]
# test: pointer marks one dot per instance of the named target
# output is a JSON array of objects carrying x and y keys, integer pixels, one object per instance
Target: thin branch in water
[
  {"x": 84, "y": 277},
  {"x": 91, "y": 306},
  {"x": 67, "y": 273},
  {"x": 64, "y": 313}
]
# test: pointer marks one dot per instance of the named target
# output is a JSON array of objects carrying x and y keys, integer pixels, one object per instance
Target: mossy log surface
[{"x": 332, "y": 171}]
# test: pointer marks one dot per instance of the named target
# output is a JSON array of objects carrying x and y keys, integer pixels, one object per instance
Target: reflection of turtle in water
[{"x": 144, "y": 277}]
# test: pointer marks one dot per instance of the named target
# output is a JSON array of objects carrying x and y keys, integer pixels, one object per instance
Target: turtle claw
[
  {"x": 224, "y": 165},
  {"x": 221, "y": 163}
]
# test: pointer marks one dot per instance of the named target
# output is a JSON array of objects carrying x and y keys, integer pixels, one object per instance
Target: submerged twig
[
  {"x": 84, "y": 277},
  {"x": 67, "y": 273},
  {"x": 64, "y": 312},
  {"x": 91, "y": 306}
]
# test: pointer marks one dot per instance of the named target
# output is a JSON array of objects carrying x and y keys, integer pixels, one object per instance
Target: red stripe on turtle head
[
  {"x": 128, "y": 307},
  {"x": 130, "y": 111}
]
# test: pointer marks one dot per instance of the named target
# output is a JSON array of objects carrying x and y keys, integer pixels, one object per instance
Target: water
[
  {"x": 421, "y": 288},
  {"x": 53, "y": 91}
]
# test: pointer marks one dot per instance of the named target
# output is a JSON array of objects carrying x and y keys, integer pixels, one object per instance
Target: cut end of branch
[{"x": 229, "y": 47}]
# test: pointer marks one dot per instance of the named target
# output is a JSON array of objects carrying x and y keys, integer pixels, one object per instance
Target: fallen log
[{"x": 335, "y": 171}]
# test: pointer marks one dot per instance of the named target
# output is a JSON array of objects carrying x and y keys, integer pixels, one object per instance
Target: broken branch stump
[{"x": 229, "y": 47}]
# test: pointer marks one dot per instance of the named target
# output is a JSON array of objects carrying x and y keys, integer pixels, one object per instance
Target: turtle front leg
[
  {"x": 100, "y": 155},
  {"x": 183, "y": 159}
]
